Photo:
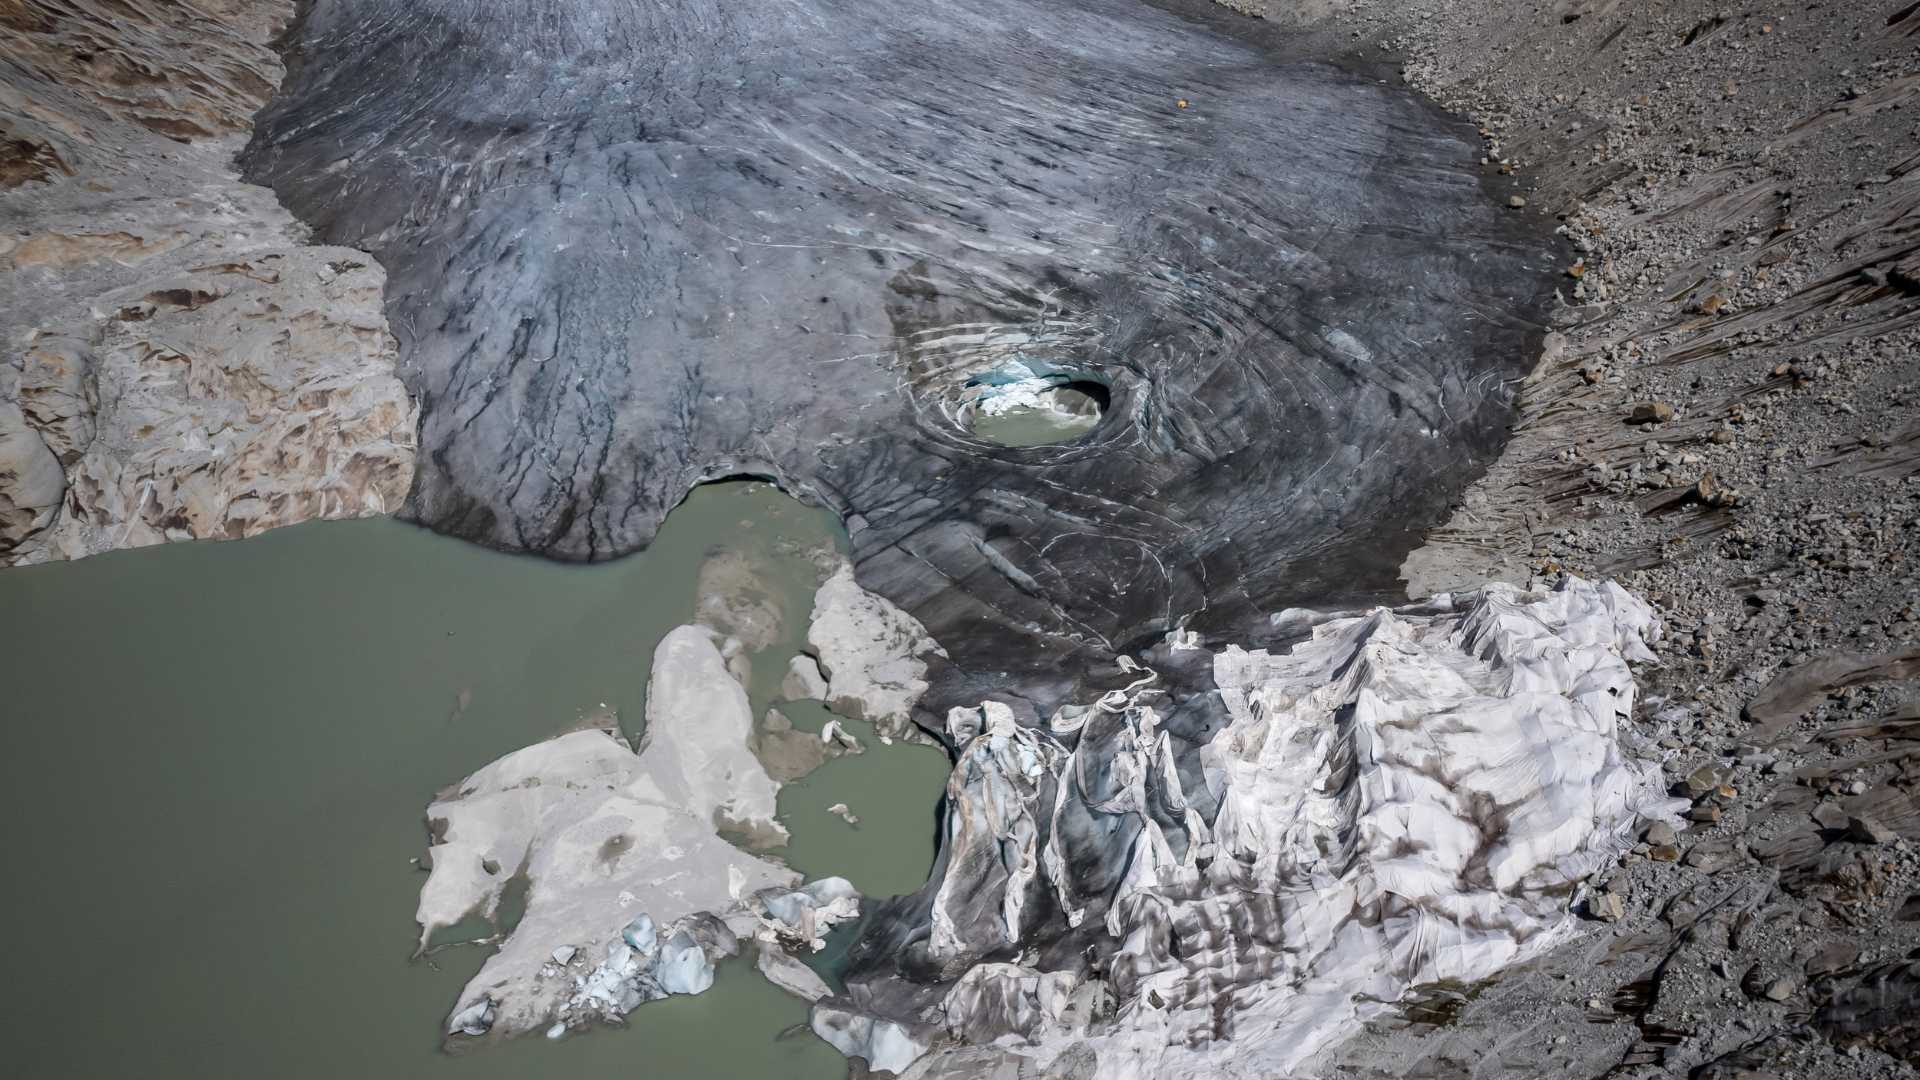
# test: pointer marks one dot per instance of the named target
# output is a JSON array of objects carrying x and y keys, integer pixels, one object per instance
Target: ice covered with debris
[
  {"x": 1404, "y": 797},
  {"x": 631, "y": 882}
]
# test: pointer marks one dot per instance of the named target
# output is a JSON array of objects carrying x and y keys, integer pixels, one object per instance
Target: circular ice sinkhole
[{"x": 1016, "y": 406}]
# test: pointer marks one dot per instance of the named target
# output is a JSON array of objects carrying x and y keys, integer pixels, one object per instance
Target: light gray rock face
[
  {"x": 1403, "y": 797},
  {"x": 872, "y": 654},
  {"x": 193, "y": 370},
  {"x": 622, "y": 849},
  {"x": 31, "y": 482}
]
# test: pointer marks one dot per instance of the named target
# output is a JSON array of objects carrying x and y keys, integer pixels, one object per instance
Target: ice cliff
[{"x": 1403, "y": 797}]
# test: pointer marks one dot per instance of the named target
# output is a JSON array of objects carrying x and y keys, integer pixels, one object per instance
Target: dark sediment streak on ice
[{"x": 632, "y": 246}]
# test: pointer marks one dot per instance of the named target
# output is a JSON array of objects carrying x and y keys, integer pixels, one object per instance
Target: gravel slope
[{"x": 1727, "y": 421}]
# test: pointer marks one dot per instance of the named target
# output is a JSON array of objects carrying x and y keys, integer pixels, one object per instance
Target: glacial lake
[{"x": 219, "y": 759}]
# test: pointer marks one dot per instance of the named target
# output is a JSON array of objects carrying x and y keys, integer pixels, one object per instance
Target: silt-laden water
[{"x": 218, "y": 760}]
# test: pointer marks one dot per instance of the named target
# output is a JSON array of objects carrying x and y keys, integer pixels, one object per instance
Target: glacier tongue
[{"x": 1404, "y": 797}]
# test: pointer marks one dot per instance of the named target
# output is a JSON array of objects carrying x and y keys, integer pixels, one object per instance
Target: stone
[
  {"x": 1660, "y": 833},
  {"x": 1516, "y": 202},
  {"x": 1866, "y": 830},
  {"x": 1703, "y": 781},
  {"x": 1834, "y": 958},
  {"x": 1650, "y": 412},
  {"x": 1607, "y": 906},
  {"x": 1709, "y": 857},
  {"x": 1779, "y": 990},
  {"x": 1829, "y": 815}
]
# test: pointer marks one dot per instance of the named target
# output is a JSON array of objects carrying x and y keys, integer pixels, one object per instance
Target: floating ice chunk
[
  {"x": 804, "y": 915},
  {"x": 475, "y": 1019},
  {"x": 887, "y": 1046},
  {"x": 640, "y": 935},
  {"x": 683, "y": 967}
]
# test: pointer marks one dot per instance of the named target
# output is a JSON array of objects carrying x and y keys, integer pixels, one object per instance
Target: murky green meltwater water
[
  {"x": 1069, "y": 412},
  {"x": 220, "y": 755}
]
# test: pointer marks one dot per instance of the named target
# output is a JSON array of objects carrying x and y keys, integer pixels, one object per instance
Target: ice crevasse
[{"x": 1405, "y": 796}]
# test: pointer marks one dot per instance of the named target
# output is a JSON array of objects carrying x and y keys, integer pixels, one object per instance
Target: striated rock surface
[
  {"x": 174, "y": 364},
  {"x": 1221, "y": 888}
]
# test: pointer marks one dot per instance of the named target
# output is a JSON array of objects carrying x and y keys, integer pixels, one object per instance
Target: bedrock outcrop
[
  {"x": 174, "y": 362},
  {"x": 635, "y": 246}
]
